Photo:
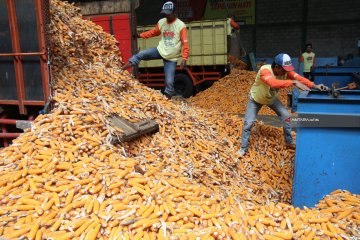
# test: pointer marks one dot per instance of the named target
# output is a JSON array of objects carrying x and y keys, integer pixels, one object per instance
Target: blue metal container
[
  {"x": 328, "y": 146},
  {"x": 340, "y": 75}
]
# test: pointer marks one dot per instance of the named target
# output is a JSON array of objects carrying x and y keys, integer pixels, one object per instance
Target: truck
[
  {"x": 24, "y": 66},
  {"x": 208, "y": 58}
]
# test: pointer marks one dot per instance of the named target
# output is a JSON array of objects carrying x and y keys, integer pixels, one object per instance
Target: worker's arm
[
  {"x": 267, "y": 77},
  {"x": 234, "y": 24},
  {"x": 185, "y": 47},
  {"x": 151, "y": 33},
  {"x": 294, "y": 76},
  {"x": 185, "y": 44},
  {"x": 306, "y": 82}
]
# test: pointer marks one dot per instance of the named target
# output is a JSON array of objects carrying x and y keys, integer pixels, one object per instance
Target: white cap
[
  {"x": 168, "y": 8},
  {"x": 284, "y": 60}
]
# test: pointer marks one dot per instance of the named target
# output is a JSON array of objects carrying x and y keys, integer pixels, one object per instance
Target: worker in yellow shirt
[
  {"x": 174, "y": 41},
  {"x": 269, "y": 80},
  {"x": 308, "y": 58}
]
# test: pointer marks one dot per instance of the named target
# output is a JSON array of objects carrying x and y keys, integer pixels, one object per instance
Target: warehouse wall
[
  {"x": 149, "y": 12},
  {"x": 188, "y": 10},
  {"x": 103, "y": 7},
  {"x": 332, "y": 26}
]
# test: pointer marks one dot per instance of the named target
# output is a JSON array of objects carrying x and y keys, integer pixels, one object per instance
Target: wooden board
[{"x": 132, "y": 130}]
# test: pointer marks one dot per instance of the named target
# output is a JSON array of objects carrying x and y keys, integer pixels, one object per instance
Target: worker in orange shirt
[
  {"x": 231, "y": 26},
  {"x": 174, "y": 41},
  {"x": 269, "y": 80}
]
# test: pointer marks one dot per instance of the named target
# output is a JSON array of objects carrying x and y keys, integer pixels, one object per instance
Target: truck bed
[
  {"x": 207, "y": 43},
  {"x": 24, "y": 76}
]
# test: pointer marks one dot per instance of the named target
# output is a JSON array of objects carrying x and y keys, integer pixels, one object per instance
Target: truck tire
[{"x": 183, "y": 85}]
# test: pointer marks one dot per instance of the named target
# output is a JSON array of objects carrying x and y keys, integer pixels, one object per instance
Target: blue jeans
[
  {"x": 169, "y": 67},
  {"x": 251, "y": 112}
]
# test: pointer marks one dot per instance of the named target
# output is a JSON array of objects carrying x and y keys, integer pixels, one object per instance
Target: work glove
[
  {"x": 321, "y": 87},
  {"x": 300, "y": 86},
  {"x": 183, "y": 64}
]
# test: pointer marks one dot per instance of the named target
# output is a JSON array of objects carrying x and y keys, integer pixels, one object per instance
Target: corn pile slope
[
  {"x": 63, "y": 179},
  {"x": 231, "y": 93}
]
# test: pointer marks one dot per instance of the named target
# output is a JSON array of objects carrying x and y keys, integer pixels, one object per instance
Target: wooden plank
[{"x": 131, "y": 130}]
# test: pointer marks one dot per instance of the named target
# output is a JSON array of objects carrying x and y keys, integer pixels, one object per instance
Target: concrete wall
[
  {"x": 104, "y": 7},
  {"x": 332, "y": 26}
]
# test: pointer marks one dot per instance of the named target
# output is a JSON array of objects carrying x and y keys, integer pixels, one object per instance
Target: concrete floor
[{"x": 271, "y": 120}]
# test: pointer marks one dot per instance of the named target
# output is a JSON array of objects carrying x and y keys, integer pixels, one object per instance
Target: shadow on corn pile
[{"x": 231, "y": 93}]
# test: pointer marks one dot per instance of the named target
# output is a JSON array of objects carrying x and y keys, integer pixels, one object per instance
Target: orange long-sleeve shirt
[
  {"x": 183, "y": 37},
  {"x": 151, "y": 33},
  {"x": 267, "y": 77},
  {"x": 234, "y": 24}
]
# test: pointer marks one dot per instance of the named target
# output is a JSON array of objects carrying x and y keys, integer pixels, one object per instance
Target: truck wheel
[{"x": 183, "y": 85}]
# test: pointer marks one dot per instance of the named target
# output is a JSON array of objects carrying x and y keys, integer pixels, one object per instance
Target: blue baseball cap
[{"x": 284, "y": 61}]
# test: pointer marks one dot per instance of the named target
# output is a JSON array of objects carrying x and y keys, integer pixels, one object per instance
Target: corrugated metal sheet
[
  {"x": 26, "y": 18},
  {"x": 119, "y": 26},
  {"x": 24, "y": 78},
  {"x": 122, "y": 33},
  {"x": 7, "y": 70}
]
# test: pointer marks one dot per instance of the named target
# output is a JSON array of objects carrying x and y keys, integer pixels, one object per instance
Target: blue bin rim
[{"x": 352, "y": 96}]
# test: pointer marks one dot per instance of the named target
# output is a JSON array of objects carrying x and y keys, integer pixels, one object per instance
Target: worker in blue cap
[
  {"x": 269, "y": 80},
  {"x": 172, "y": 46}
]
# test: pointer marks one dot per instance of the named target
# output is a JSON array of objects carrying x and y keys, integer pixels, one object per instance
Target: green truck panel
[{"x": 207, "y": 43}]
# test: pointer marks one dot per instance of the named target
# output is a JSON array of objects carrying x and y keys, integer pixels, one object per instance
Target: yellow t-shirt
[
  {"x": 170, "y": 44},
  {"x": 308, "y": 61},
  {"x": 263, "y": 93}
]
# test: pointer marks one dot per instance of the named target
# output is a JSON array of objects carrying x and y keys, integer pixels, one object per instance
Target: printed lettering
[{"x": 168, "y": 34}]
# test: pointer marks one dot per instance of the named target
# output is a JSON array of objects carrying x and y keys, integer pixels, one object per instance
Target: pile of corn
[
  {"x": 231, "y": 94},
  {"x": 63, "y": 179}
]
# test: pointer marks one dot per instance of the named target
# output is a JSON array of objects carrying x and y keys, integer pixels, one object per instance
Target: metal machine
[
  {"x": 341, "y": 75},
  {"x": 328, "y": 141}
]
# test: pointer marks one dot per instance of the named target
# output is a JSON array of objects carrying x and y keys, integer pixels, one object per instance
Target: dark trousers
[{"x": 309, "y": 76}]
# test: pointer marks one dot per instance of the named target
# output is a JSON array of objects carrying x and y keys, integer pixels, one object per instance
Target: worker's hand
[
  {"x": 321, "y": 87},
  {"x": 183, "y": 64},
  {"x": 136, "y": 35},
  {"x": 300, "y": 86}
]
